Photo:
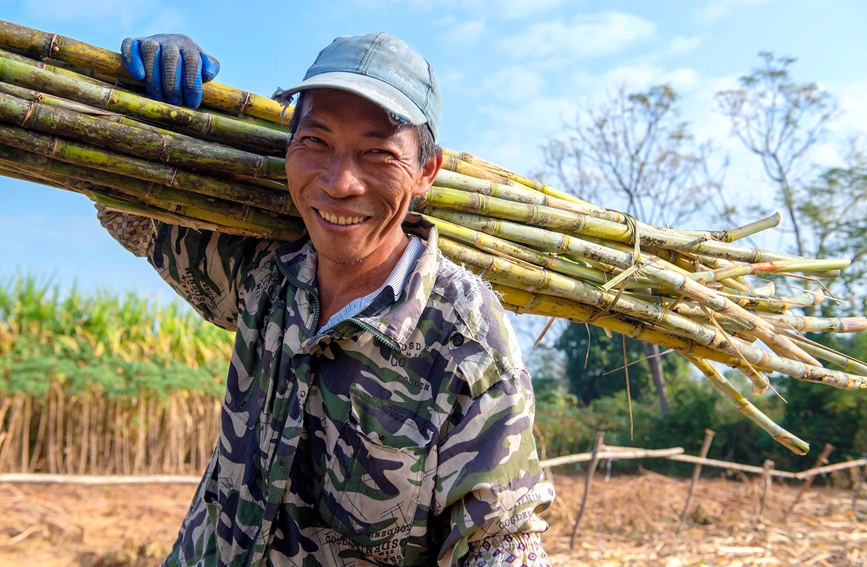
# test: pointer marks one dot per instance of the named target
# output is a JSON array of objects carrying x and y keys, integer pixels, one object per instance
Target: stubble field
[{"x": 629, "y": 520}]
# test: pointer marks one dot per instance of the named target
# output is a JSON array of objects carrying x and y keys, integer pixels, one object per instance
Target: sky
[{"x": 511, "y": 73}]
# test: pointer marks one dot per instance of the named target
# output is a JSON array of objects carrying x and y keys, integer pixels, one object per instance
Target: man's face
[{"x": 352, "y": 174}]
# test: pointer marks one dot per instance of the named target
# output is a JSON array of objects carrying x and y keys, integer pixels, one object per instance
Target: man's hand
[{"x": 173, "y": 67}]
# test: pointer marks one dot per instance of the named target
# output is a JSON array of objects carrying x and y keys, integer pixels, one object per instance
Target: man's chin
[{"x": 336, "y": 257}]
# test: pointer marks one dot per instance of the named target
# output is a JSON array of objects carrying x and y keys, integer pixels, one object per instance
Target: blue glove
[{"x": 173, "y": 67}]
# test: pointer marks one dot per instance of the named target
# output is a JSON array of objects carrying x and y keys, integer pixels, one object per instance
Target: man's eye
[
  {"x": 379, "y": 152},
  {"x": 308, "y": 141}
]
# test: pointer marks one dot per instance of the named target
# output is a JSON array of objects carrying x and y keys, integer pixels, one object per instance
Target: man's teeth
[{"x": 334, "y": 219}]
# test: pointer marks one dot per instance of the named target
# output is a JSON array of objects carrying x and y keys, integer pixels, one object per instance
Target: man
[{"x": 377, "y": 409}]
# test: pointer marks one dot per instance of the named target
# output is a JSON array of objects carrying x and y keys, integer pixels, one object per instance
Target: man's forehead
[{"x": 318, "y": 103}]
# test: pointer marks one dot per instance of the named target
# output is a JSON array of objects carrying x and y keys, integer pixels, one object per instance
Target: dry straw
[{"x": 70, "y": 117}]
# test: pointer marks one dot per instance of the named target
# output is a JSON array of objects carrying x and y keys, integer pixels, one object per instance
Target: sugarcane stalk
[
  {"x": 500, "y": 271},
  {"x": 745, "y": 407},
  {"x": 78, "y": 73},
  {"x": 774, "y": 267},
  {"x": 190, "y": 217},
  {"x": 137, "y": 138},
  {"x": 477, "y": 167},
  {"x": 506, "y": 248},
  {"x": 91, "y": 76},
  {"x": 43, "y": 45},
  {"x": 555, "y": 219},
  {"x": 777, "y": 304},
  {"x": 76, "y": 153},
  {"x": 846, "y": 363},
  {"x": 807, "y": 324},
  {"x": 749, "y": 229},
  {"x": 649, "y": 266},
  {"x": 524, "y": 301},
  {"x": 176, "y": 149},
  {"x": 203, "y": 218},
  {"x": 114, "y": 99},
  {"x": 36, "y": 96},
  {"x": 224, "y": 216},
  {"x": 449, "y": 179}
]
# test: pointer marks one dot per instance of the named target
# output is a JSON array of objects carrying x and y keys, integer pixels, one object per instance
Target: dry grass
[{"x": 629, "y": 521}]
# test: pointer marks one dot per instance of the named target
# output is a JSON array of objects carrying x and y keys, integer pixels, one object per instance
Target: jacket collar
[{"x": 395, "y": 320}]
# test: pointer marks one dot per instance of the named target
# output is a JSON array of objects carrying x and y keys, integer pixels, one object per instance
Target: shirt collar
[
  {"x": 393, "y": 284},
  {"x": 297, "y": 261}
]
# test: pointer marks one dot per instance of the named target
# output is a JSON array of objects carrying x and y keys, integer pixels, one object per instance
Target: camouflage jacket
[{"x": 402, "y": 436}]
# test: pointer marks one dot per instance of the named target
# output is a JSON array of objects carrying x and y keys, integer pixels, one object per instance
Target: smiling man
[{"x": 377, "y": 408}]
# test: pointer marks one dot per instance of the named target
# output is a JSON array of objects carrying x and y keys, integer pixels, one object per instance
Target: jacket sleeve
[
  {"x": 205, "y": 268},
  {"x": 491, "y": 486}
]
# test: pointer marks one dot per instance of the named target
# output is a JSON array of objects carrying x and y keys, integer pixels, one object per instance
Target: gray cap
[{"x": 382, "y": 69}]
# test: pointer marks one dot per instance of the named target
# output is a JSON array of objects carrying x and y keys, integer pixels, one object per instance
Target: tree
[
  {"x": 780, "y": 121},
  {"x": 634, "y": 153},
  {"x": 833, "y": 210},
  {"x": 596, "y": 365}
]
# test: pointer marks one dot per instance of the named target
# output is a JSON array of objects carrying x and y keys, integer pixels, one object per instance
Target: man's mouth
[{"x": 340, "y": 220}]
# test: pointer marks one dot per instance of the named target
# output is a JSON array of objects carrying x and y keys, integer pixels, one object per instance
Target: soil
[{"x": 630, "y": 521}]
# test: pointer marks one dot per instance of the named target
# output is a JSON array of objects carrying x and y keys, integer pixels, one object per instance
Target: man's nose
[{"x": 340, "y": 178}]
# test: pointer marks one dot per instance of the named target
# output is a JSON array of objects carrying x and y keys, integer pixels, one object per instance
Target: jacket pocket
[{"x": 371, "y": 492}]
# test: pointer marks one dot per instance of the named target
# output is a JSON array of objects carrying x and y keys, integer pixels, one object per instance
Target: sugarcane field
[{"x": 697, "y": 356}]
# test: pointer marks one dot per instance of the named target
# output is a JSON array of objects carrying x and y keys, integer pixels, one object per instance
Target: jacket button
[{"x": 457, "y": 339}]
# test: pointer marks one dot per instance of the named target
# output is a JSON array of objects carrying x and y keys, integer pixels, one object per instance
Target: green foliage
[
  {"x": 121, "y": 346},
  {"x": 817, "y": 413},
  {"x": 828, "y": 415},
  {"x": 595, "y": 364},
  {"x": 834, "y": 211}
]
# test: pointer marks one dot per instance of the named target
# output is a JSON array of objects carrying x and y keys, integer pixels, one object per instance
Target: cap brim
[{"x": 372, "y": 89}]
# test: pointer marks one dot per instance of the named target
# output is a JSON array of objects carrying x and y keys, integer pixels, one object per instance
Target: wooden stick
[
  {"x": 36, "y": 478},
  {"x": 766, "y": 488},
  {"x": 831, "y": 468},
  {"x": 857, "y": 492},
  {"x": 823, "y": 458},
  {"x": 705, "y": 447},
  {"x": 731, "y": 466},
  {"x": 597, "y": 444},
  {"x": 611, "y": 453}
]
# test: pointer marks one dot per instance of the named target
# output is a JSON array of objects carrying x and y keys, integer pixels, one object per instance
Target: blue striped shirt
[{"x": 395, "y": 281}]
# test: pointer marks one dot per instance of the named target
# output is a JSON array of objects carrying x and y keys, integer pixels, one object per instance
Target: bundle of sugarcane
[{"x": 70, "y": 118}]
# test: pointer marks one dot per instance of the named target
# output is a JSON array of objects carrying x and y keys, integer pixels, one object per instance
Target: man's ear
[{"x": 428, "y": 173}]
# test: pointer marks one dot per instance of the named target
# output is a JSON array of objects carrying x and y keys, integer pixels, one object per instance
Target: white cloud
[
  {"x": 165, "y": 20},
  {"x": 463, "y": 33},
  {"x": 120, "y": 12},
  {"x": 715, "y": 10},
  {"x": 852, "y": 106},
  {"x": 633, "y": 78},
  {"x": 512, "y": 134},
  {"x": 681, "y": 80},
  {"x": 510, "y": 84},
  {"x": 584, "y": 36},
  {"x": 682, "y": 44},
  {"x": 494, "y": 9},
  {"x": 521, "y": 8}
]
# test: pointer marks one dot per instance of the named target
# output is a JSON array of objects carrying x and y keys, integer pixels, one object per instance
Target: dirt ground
[{"x": 628, "y": 521}]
